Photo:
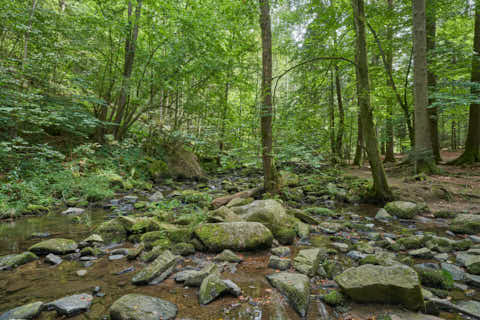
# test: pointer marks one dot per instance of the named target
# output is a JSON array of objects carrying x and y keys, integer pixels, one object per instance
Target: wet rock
[
  {"x": 278, "y": 263},
  {"x": 305, "y": 217},
  {"x": 303, "y": 229},
  {"x": 234, "y": 235},
  {"x": 15, "y": 260},
  {"x": 403, "y": 209},
  {"x": 330, "y": 227},
  {"x": 223, "y": 214},
  {"x": 183, "y": 249},
  {"x": 441, "y": 257},
  {"x": 157, "y": 196},
  {"x": 115, "y": 257},
  {"x": 185, "y": 274},
  {"x": 94, "y": 239},
  {"x": 141, "y": 307},
  {"x": 471, "y": 306},
  {"x": 81, "y": 273},
  {"x": 393, "y": 285},
  {"x": 40, "y": 235},
  {"x": 154, "y": 253},
  {"x": 228, "y": 256},
  {"x": 356, "y": 255},
  {"x": 470, "y": 261},
  {"x": 28, "y": 311},
  {"x": 412, "y": 242},
  {"x": 195, "y": 279},
  {"x": 112, "y": 230},
  {"x": 343, "y": 247},
  {"x": 73, "y": 211},
  {"x": 383, "y": 215},
  {"x": 53, "y": 259},
  {"x": 281, "y": 251},
  {"x": 92, "y": 252},
  {"x": 124, "y": 271},
  {"x": 472, "y": 280},
  {"x": 466, "y": 223},
  {"x": 233, "y": 288},
  {"x": 308, "y": 260},
  {"x": 475, "y": 239},
  {"x": 457, "y": 273},
  {"x": 423, "y": 253},
  {"x": 212, "y": 287},
  {"x": 295, "y": 286},
  {"x": 56, "y": 246},
  {"x": 158, "y": 270},
  {"x": 71, "y": 305}
]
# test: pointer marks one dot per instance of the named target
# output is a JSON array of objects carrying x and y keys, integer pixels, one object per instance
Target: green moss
[
  {"x": 318, "y": 211},
  {"x": 440, "y": 279},
  {"x": 334, "y": 298},
  {"x": 462, "y": 245},
  {"x": 370, "y": 259},
  {"x": 445, "y": 214},
  {"x": 413, "y": 242}
]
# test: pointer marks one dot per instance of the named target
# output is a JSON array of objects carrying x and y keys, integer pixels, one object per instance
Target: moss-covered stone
[
  {"x": 412, "y": 242},
  {"x": 15, "y": 260},
  {"x": 234, "y": 235},
  {"x": 55, "y": 246},
  {"x": 445, "y": 214},
  {"x": 211, "y": 288},
  {"x": 112, "y": 230},
  {"x": 223, "y": 214},
  {"x": 28, "y": 311},
  {"x": 334, "y": 298},
  {"x": 296, "y": 287},
  {"x": 143, "y": 225},
  {"x": 183, "y": 249},
  {"x": 158, "y": 270},
  {"x": 307, "y": 261},
  {"x": 403, "y": 209},
  {"x": 321, "y": 212},
  {"x": 440, "y": 279},
  {"x": 92, "y": 252},
  {"x": 466, "y": 223}
]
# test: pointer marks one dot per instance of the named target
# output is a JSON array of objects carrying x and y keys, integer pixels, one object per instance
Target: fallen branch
[{"x": 226, "y": 199}]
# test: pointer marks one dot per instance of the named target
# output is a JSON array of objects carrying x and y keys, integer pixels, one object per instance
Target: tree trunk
[
  {"x": 271, "y": 183},
  {"x": 331, "y": 112},
  {"x": 357, "y": 160},
  {"x": 27, "y": 34},
  {"x": 423, "y": 154},
  {"x": 389, "y": 152},
  {"x": 381, "y": 190},
  {"x": 341, "y": 115},
  {"x": 432, "y": 80},
  {"x": 472, "y": 144}
]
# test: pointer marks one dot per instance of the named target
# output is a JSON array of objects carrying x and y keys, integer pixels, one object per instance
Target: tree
[
  {"x": 389, "y": 154},
  {"x": 271, "y": 183},
  {"x": 472, "y": 145},
  {"x": 423, "y": 152},
  {"x": 381, "y": 190}
]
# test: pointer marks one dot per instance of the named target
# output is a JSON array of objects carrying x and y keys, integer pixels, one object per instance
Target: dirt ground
[{"x": 454, "y": 188}]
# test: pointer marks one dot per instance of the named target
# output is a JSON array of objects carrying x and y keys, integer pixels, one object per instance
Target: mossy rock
[
  {"x": 412, "y": 242},
  {"x": 334, "y": 298},
  {"x": 183, "y": 249},
  {"x": 403, "y": 209},
  {"x": 15, "y": 260},
  {"x": 56, "y": 246},
  {"x": 183, "y": 164},
  {"x": 144, "y": 225},
  {"x": 466, "y": 223},
  {"x": 112, "y": 230},
  {"x": 296, "y": 287},
  {"x": 288, "y": 178},
  {"x": 36, "y": 209},
  {"x": 445, "y": 214},
  {"x": 440, "y": 279},
  {"x": 223, "y": 214},
  {"x": 321, "y": 212}
]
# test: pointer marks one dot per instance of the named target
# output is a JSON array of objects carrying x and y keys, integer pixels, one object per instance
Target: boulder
[
  {"x": 141, "y": 307},
  {"x": 383, "y": 215},
  {"x": 212, "y": 287},
  {"x": 296, "y": 287},
  {"x": 28, "y": 311},
  {"x": 228, "y": 256},
  {"x": 223, "y": 214},
  {"x": 195, "y": 279},
  {"x": 308, "y": 260},
  {"x": 56, "y": 246},
  {"x": 183, "y": 249},
  {"x": 466, "y": 223},
  {"x": 237, "y": 236},
  {"x": 112, "y": 231},
  {"x": 403, "y": 209},
  {"x": 73, "y": 211},
  {"x": 15, "y": 260},
  {"x": 71, "y": 305},
  {"x": 281, "y": 251},
  {"x": 53, "y": 259},
  {"x": 182, "y": 163},
  {"x": 470, "y": 261},
  {"x": 279, "y": 263},
  {"x": 377, "y": 284},
  {"x": 471, "y": 306},
  {"x": 158, "y": 270}
]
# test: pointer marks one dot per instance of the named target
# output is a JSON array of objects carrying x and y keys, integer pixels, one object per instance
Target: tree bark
[
  {"x": 341, "y": 115},
  {"x": 472, "y": 144},
  {"x": 331, "y": 113},
  {"x": 271, "y": 183},
  {"x": 432, "y": 80},
  {"x": 423, "y": 153},
  {"x": 381, "y": 190},
  {"x": 357, "y": 160},
  {"x": 389, "y": 152}
]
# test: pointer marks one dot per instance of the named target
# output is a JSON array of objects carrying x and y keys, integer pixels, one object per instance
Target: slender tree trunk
[
  {"x": 341, "y": 115},
  {"x": 221, "y": 143},
  {"x": 453, "y": 136},
  {"x": 472, "y": 144},
  {"x": 357, "y": 160},
  {"x": 389, "y": 148},
  {"x": 62, "y": 5},
  {"x": 27, "y": 33},
  {"x": 432, "y": 80},
  {"x": 381, "y": 190},
  {"x": 271, "y": 183},
  {"x": 331, "y": 112},
  {"x": 423, "y": 155}
]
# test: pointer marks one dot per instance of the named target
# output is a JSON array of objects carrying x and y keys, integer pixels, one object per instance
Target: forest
[{"x": 240, "y": 159}]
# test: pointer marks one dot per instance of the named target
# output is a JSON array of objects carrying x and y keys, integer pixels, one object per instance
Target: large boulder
[
  {"x": 271, "y": 214},
  {"x": 56, "y": 246},
  {"x": 239, "y": 236},
  {"x": 308, "y": 260},
  {"x": 158, "y": 270},
  {"x": 71, "y": 305},
  {"x": 470, "y": 261},
  {"x": 466, "y": 223},
  {"x": 377, "y": 284},
  {"x": 296, "y": 287},
  {"x": 403, "y": 209},
  {"x": 182, "y": 163},
  {"x": 213, "y": 287},
  {"x": 140, "y": 307},
  {"x": 112, "y": 231},
  {"x": 15, "y": 260},
  {"x": 28, "y": 311}
]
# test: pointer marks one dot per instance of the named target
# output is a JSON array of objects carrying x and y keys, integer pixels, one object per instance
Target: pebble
[{"x": 81, "y": 273}]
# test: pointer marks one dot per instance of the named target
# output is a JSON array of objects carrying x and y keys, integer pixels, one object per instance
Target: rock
[
  {"x": 157, "y": 196},
  {"x": 73, "y": 211},
  {"x": 93, "y": 239},
  {"x": 334, "y": 298},
  {"x": 304, "y": 216},
  {"x": 211, "y": 288},
  {"x": 423, "y": 253},
  {"x": 56, "y": 246},
  {"x": 403, "y": 209},
  {"x": 288, "y": 178},
  {"x": 228, "y": 256},
  {"x": 278, "y": 263},
  {"x": 472, "y": 280},
  {"x": 435, "y": 278},
  {"x": 53, "y": 259},
  {"x": 71, "y": 305},
  {"x": 475, "y": 239},
  {"x": 356, "y": 255},
  {"x": 237, "y": 202},
  {"x": 308, "y": 260},
  {"x": 112, "y": 231},
  {"x": 466, "y": 223},
  {"x": 383, "y": 215},
  {"x": 441, "y": 257},
  {"x": 271, "y": 214},
  {"x": 115, "y": 257},
  {"x": 182, "y": 163},
  {"x": 281, "y": 251},
  {"x": 234, "y": 235},
  {"x": 185, "y": 274},
  {"x": 457, "y": 273},
  {"x": 470, "y": 261},
  {"x": 330, "y": 227},
  {"x": 15, "y": 260},
  {"x": 303, "y": 230},
  {"x": 321, "y": 212},
  {"x": 141, "y": 307},
  {"x": 412, "y": 242},
  {"x": 195, "y": 279},
  {"x": 377, "y": 284},
  {"x": 296, "y": 287},
  {"x": 158, "y": 270},
  {"x": 223, "y": 214},
  {"x": 28, "y": 311},
  {"x": 81, "y": 273},
  {"x": 183, "y": 249},
  {"x": 40, "y": 235},
  {"x": 471, "y": 306},
  {"x": 343, "y": 247},
  {"x": 168, "y": 231}
]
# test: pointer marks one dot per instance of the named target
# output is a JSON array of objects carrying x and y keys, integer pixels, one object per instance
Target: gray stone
[
  {"x": 116, "y": 257},
  {"x": 475, "y": 239},
  {"x": 28, "y": 311},
  {"x": 15, "y": 260},
  {"x": 93, "y": 239},
  {"x": 457, "y": 273},
  {"x": 377, "y": 284},
  {"x": 403, "y": 209},
  {"x": 73, "y": 211},
  {"x": 158, "y": 270},
  {"x": 441, "y": 257},
  {"x": 296, "y": 287},
  {"x": 470, "y": 261},
  {"x": 281, "y": 251},
  {"x": 343, "y": 247},
  {"x": 472, "y": 279},
  {"x": 53, "y": 259},
  {"x": 195, "y": 279},
  {"x": 212, "y": 287},
  {"x": 466, "y": 223},
  {"x": 71, "y": 305},
  {"x": 228, "y": 256},
  {"x": 308, "y": 260},
  {"x": 55, "y": 246},
  {"x": 141, "y": 307},
  {"x": 278, "y": 263},
  {"x": 185, "y": 274},
  {"x": 423, "y": 253},
  {"x": 383, "y": 215},
  {"x": 472, "y": 306},
  {"x": 157, "y": 196},
  {"x": 356, "y": 255}
]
